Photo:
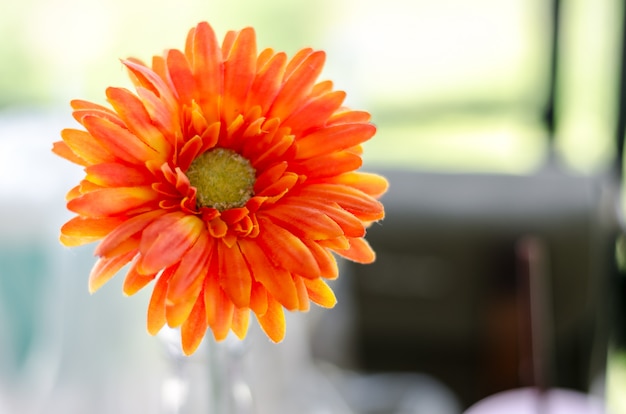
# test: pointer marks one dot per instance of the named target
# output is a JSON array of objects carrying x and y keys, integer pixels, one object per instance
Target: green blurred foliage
[{"x": 452, "y": 85}]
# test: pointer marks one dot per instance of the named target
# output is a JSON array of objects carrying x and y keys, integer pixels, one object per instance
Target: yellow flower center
[{"x": 223, "y": 179}]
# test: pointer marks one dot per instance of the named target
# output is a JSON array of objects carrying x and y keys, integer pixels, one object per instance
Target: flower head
[{"x": 228, "y": 177}]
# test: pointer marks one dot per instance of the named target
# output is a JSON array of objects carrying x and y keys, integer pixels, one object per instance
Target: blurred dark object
[{"x": 443, "y": 297}]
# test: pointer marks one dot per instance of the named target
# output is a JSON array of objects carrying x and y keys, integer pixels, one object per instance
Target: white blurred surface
[
  {"x": 61, "y": 350},
  {"x": 531, "y": 401}
]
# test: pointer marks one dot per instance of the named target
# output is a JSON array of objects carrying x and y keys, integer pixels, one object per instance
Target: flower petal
[
  {"x": 280, "y": 145},
  {"x": 166, "y": 240},
  {"x": 320, "y": 293},
  {"x": 297, "y": 60},
  {"x": 135, "y": 281},
  {"x": 321, "y": 88},
  {"x": 85, "y": 146},
  {"x": 273, "y": 321},
  {"x": 73, "y": 193},
  {"x": 192, "y": 331},
  {"x": 87, "y": 187},
  {"x": 373, "y": 185},
  {"x": 81, "y": 230},
  {"x": 119, "y": 141},
  {"x": 350, "y": 225},
  {"x": 219, "y": 308},
  {"x": 163, "y": 115},
  {"x": 189, "y": 152},
  {"x": 227, "y": 43},
  {"x": 124, "y": 231},
  {"x": 159, "y": 67},
  {"x": 187, "y": 281},
  {"x": 280, "y": 186},
  {"x": 208, "y": 68},
  {"x": 241, "y": 320},
  {"x": 177, "y": 313},
  {"x": 239, "y": 69},
  {"x": 332, "y": 139},
  {"x": 278, "y": 282},
  {"x": 286, "y": 250},
  {"x": 304, "y": 222},
  {"x": 106, "y": 268},
  {"x": 267, "y": 83},
  {"x": 149, "y": 79},
  {"x": 314, "y": 113},
  {"x": 264, "y": 57},
  {"x": 358, "y": 251},
  {"x": 156, "y": 307},
  {"x": 180, "y": 75},
  {"x": 325, "y": 260},
  {"x": 297, "y": 85},
  {"x": 137, "y": 119},
  {"x": 234, "y": 275},
  {"x": 112, "y": 201},
  {"x": 115, "y": 174},
  {"x": 303, "y": 295},
  {"x": 258, "y": 298},
  {"x": 348, "y": 116},
  {"x": 349, "y": 198},
  {"x": 329, "y": 165},
  {"x": 63, "y": 150},
  {"x": 82, "y": 105},
  {"x": 270, "y": 175}
]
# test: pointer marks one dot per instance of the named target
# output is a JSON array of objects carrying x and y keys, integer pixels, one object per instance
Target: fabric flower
[{"x": 228, "y": 178}]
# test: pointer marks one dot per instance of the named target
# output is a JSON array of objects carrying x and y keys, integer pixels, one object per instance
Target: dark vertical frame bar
[
  {"x": 621, "y": 104},
  {"x": 549, "y": 118}
]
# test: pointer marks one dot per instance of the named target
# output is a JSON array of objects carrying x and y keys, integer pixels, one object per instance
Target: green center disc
[{"x": 223, "y": 179}]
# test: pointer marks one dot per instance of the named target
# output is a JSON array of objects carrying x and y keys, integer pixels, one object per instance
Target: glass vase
[{"x": 211, "y": 381}]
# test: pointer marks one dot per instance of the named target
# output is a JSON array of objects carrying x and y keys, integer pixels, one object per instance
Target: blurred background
[{"x": 503, "y": 157}]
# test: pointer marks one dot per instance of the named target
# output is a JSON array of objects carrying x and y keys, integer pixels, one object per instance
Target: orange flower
[{"x": 228, "y": 178}]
